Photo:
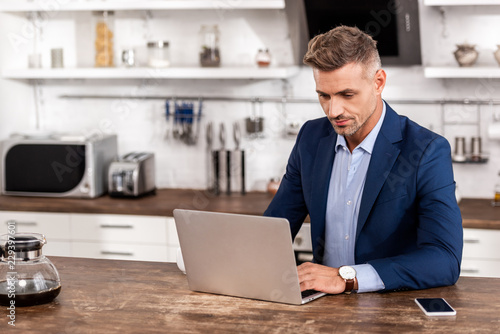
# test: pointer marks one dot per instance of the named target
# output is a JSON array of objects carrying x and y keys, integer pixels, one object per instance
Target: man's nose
[{"x": 335, "y": 109}]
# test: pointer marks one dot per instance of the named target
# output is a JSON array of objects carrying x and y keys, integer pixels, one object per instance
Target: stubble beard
[{"x": 350, "y": 130}]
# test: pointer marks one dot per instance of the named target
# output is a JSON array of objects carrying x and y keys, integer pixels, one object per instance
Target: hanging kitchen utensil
[
  {"x": 210, "y": 157},
  {"x": 237, "y": 180},
  {"x": 176, "y": 133},
  {"x": 224, "y": 162},
  {"x": 167, "y": 119},
  {"x": 255, "y": 123},
  {"x": 197, "y": 121},
  {"x": 219, "y": 160},
  {"x": 187, "y": 122}
]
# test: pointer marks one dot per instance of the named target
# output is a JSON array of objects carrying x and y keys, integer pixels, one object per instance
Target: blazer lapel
[
  {"x": 383, "y": 158},
  {"x": 322, "y": 171}
]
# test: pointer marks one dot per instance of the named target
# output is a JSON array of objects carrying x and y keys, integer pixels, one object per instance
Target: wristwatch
[{"x": 348, "y": 274}]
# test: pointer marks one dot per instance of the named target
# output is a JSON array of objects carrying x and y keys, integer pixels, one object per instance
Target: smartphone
[{"x": 435, "y": 306}]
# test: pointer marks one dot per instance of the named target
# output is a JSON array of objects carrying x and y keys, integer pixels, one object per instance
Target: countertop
[
  {"x": 476, "y": 213},
  {"x": 106, "y": 296}
]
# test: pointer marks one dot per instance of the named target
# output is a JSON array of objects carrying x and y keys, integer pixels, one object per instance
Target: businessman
[{"x": 378, "y": 188}]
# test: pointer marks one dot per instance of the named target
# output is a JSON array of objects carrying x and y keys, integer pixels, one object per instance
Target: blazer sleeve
[
  {"x": 439, "y": 241},
  {"x": 288, "y": 202}
]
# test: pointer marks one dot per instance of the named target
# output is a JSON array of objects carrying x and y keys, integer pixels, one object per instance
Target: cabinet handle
[
  {"x": 116, "y": 226},
  {"x": 470, "y": 271},
  {"x": 471, "y": 241},
  {"x": 21, "y": 223},
  {"x": 298, "y": 241},
  {"x": 117, "y": 253}
]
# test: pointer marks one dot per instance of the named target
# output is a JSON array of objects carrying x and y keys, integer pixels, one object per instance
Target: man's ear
[{"x": 379, "y": 81}]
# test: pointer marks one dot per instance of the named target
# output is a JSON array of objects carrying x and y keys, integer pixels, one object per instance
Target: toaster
[{"x": 132, "y": 175}]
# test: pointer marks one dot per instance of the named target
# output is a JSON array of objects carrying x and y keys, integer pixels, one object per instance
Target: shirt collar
[{"x": 369, "y": 141}]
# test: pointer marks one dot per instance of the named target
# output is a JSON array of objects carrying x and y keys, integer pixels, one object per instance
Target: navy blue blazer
[{"x": 409, "y": 226}]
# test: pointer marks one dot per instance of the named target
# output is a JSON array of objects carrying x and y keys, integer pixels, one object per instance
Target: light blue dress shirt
[{"x": 344, "y": 198}]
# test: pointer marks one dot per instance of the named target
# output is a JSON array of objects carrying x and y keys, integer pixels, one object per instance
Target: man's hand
[{"x": 321, "y": 278}]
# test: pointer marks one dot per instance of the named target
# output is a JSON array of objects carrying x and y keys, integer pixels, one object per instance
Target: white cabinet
[
  {"x": 481, "y": 256},
  {"x": 55, "y": 227},
  {"x": 119, "y": 251},
  {"x": 119, "y": 228},
  {"x": 123, "y": 237},
  {"x": 105, "y": 236}
]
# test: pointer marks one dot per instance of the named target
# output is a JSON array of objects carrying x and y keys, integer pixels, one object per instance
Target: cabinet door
[
  {"x": 172, "y": 238},
  {"x": 119, "y": 251},
  {"x": 55, "y": 226},
  {"x": 481, "y": 244},
  {"x": 135, "y": 229},
  {"x": 480, "y": 268}
]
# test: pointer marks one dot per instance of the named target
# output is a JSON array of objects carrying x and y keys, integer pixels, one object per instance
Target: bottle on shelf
[
  {"x": 104, "y": 26},
  {"x": 263, "y": 58},
  {"x": 496, "y": 199},
  {"x": 209, "y": 46},
  {"x": 158, "y": 54}
]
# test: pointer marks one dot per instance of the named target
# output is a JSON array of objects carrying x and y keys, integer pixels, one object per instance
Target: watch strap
[{"x": 349, "y": 285}]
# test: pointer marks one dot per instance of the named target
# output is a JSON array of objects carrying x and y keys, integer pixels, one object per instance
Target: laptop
[{"x": 240, "y": 255}]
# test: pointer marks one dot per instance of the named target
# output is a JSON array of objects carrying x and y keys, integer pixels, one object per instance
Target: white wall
[{"x": 141, "y": 125}]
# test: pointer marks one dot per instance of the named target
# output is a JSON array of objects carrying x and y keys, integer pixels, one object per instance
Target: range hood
[{"x": 394, "y": 24}]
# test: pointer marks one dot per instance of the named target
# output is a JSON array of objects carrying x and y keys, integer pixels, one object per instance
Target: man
[{"x": 378, "y": 188}]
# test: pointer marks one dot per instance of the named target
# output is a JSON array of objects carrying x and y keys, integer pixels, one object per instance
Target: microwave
[{"x": 56, "y": 165}]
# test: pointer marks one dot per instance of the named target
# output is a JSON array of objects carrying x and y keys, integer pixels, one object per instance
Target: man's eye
[
  {"x": 348, "y": 95},
  {"x": 322, "y": 96}
]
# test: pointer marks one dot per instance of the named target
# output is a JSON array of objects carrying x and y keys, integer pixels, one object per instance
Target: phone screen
[{"x": 435, "y": 306}]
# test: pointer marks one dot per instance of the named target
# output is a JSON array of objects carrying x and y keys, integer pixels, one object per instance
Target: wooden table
[{"x": 104, "y": 296}]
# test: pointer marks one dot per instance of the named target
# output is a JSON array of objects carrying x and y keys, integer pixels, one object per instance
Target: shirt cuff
[{"x": 368, "y": 278}]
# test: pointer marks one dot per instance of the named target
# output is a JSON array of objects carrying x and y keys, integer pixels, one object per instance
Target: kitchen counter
[
  {"x": 148, "y": 297},
  {"x": 162, "y": 203},
  {"x": 476, "y": 213}
]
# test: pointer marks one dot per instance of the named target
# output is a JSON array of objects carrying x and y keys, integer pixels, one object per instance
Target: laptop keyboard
[{"x": 307, "y": 293}]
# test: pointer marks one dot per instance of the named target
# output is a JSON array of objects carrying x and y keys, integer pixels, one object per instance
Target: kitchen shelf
[
  {"x": 152, "y": 73},
  {"x": 470, "y": 161},
  {"x": 117, "y": 5},
  {"x": 462, "y": 72},
  {"x": 460, "y": 2}
]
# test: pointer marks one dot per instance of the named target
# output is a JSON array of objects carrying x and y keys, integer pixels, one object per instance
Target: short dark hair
[{"x": 341, "y": 46}]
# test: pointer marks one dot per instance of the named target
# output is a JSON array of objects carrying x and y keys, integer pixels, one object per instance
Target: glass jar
[
  {"x": 158, "y": 54},
  {"x": 209, "y": 46},
  {"x": 496, "y": 198},
  {"x": 263, "y": 58},
  {"x": 103, "y": 32},
  {"x": 27, "y": 277}
]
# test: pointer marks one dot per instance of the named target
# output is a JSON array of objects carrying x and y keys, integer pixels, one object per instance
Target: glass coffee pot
[{"x": 27, "y": 277}]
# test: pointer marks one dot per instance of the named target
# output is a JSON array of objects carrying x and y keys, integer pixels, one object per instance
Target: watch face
[{"x": 347, "y": 272}]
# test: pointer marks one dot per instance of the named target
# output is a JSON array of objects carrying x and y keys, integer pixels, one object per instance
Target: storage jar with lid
[
  {"x": 263, "y": 58},
  {"x": 103, "y": 32},
  {"x": 27, "y": 277},
  {"x": 209, "y": 46},
  {"x": 158, "y": 54}
]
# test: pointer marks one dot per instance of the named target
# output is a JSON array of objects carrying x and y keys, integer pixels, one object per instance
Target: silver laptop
[{"x": 240, "y": 255}]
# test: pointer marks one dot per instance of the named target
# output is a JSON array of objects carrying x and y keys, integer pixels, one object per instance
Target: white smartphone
[{"x": 435, "y": 306}]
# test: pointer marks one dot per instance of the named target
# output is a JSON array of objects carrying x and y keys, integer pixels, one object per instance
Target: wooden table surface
[
  {"x": 106, "y": 296},
  {"x": 476, "y": 213}
]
